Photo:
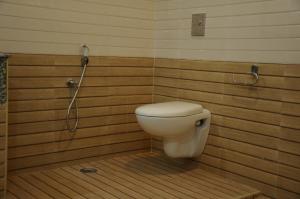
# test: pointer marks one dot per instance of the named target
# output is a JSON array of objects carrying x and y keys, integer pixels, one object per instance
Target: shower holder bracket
[{"x": 253, "y": 72}]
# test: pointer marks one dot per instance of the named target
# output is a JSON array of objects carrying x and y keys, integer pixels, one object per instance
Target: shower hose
[{"x": 73, "y": 102}]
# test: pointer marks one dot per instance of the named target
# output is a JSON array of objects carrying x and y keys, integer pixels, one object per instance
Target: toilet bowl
[{"x": 183, "y": 126}]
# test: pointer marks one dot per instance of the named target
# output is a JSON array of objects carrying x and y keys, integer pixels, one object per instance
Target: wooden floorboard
[
  {"x": 140, "y": 175},
  {"x": 10, "y": 196}
]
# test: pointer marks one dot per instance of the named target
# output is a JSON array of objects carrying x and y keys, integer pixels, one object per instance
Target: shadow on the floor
[{"x": 160, "y": 164}]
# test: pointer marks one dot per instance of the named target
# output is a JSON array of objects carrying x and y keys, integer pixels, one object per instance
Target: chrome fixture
[
  {"x": 253, "y": 73},
  {"x": 74, "y": 87},
  {"x": 3, "y": 78},
  {"x": 85, "y": 55},
  {"x": 88, "y": 170}
]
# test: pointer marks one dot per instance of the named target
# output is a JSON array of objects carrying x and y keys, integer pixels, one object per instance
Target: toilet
[{"x": 183, "y": 126}]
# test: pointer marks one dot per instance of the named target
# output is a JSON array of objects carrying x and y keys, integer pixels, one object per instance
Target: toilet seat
[{"x": 167, "y": 110}]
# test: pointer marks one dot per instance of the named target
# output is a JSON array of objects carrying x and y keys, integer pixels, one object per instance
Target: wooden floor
[{"x": 141, "y": 175}]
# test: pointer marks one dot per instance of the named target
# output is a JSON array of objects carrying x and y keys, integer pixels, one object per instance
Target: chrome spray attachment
[
  {"x": 85, "y": 55},
  {"x": 74, "y": 87},
  {"x": 253, "y": 73}
]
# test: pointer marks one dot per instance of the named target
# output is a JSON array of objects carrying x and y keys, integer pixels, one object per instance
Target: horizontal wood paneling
[
  {"x": 254, "y": 135},
  {"x": 113, "y": 87},
  {"x": 49, "y": 137},
  {"x": 264, "y": 31},
  {"x": 85, "y": 102},
  {"x": 86, "y": 92},
  {"x": 52, "y": 115},
  {"x": 109, "y": 28},
  {"x": 53, "y": 147},
  {"x": 59, "y": 125},
  {"x": 46, "y": 160}
]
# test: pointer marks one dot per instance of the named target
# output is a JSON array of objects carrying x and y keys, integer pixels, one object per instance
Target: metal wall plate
[{"x": 198, "y": 24}]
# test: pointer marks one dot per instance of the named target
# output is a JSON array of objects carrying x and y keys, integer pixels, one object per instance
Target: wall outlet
[{"x": 198, "y": 24}]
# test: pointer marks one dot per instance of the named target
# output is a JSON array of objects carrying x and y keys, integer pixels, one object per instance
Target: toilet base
[{"x": 190, "y": 145}]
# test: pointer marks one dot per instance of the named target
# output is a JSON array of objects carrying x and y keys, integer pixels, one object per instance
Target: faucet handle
[{"x": 71, "y": 83}]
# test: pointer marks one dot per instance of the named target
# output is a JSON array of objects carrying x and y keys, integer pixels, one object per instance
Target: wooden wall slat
[
  {"x": 236, "y": 101},
  {"x": 91, "y": 81},
  {"x": 226, "y": 67},
  {"x": 65, "y": 156},
  {"x": 113, "y": 87},
  {"x": 247, "y": 148},
  {"x": 255, "y": 132},
  {"x": 266, "y": 189},
  {"x": 48, "y": 115},
  {"x": 59, "y": 125},
  {"x": 244, "y": 136},
  {"x": 2, "y": 129},
  {"x": 290, "y": 134},
  {"x": 228, "y": 78},
  {"x": 56, "y": 104},
  {"x": 53, "y": 147},
  {"x": 67, "y": 71},
  {"x": 73, "y": 60},
  {"x": 254, "y": 162},
  {"x": 231, "y": 89},
  {"x": 249, "y": 126},
  {"x": 57, "y": 93},
  {"x": 56, "y": 136},
  {"x": 2, "y": 116}
]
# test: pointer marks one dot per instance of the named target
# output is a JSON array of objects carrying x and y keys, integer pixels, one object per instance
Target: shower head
[
  {"x": 85, "y": 54},
  {"x": 85, "y": 50}
]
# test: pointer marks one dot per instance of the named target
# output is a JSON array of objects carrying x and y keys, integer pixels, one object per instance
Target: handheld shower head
[
  {"x": 74, "y": 88},
  {"x": 85, "y": 55},
  {"x": 85, "y": 50}
]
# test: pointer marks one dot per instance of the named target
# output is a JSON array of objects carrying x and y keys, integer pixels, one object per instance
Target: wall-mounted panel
[{"x": 265, "y": 31}]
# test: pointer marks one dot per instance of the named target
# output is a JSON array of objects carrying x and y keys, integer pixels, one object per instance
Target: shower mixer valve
[{"x": 71, "y": 83}]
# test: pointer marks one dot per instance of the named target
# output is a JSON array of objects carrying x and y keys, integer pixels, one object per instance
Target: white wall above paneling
[
  {"x": 236, "y": 30},
  {"x": 112, "y": 28}
]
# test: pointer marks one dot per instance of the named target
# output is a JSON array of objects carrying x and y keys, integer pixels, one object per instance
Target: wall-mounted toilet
[{"x": 183, "y": 126}]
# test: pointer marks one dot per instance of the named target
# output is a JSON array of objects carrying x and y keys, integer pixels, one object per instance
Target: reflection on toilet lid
[{"x": 169, "y": 109}]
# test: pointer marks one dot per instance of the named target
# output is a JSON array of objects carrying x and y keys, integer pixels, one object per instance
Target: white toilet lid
[{"x": 169, "y": 109}]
